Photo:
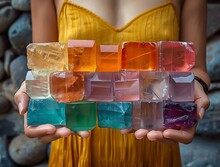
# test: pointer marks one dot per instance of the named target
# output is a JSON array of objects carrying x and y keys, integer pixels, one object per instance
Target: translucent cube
[
  {"x": 109, "y": 58},
  {"x": 99, "y": 86},
  {"x": 45, "y": 111},
  {"x": 147, "y": 115},
  {"x": 179, "y": 114},
  {"x": 114, "y": 114},
  {"x": 181, "y": 86},
  {"x": 140, "y": 56},
  {"x": 67, "y": 86},
  {"x": 126, "y": 86},
  {"x": 81, "y": 55},
  {"x": 37, "y": 84},
  {"x": 154, "y": 85},
  {"x": 47, "y": 56},
  {"x": 81, "y": 116},
  {"x": 176, "y": 56}
]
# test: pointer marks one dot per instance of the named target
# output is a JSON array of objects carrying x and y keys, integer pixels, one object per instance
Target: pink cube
[{"x": 176, "y": 56}]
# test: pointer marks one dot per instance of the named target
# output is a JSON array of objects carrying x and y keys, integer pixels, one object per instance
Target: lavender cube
[
  {"x": 181, "y": 86},
  {"x": 126, "y": 86},
  {"x": 147, "y": 115},
  {"x": 153, "y": 85},
  {"x": 99, "y": 86}
]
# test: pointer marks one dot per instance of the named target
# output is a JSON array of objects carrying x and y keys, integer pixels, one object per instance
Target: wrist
[
  {"x": 202, "y": 77},
  {"x": 202, "y": 83}
]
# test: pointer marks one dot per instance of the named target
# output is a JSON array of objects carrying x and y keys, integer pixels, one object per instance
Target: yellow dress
[{"x": 108, "y": 147}]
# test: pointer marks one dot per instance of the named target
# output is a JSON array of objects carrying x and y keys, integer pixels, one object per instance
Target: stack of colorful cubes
[{"x": 139, "y": 85}]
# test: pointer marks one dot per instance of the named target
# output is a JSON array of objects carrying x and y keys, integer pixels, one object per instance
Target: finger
[
  {"x": 157, "y": 136},
  {"x": 126, "y": 131},
  {"x": 48, "y": 138},
  {"x": 184, "y": 136},
  {"x": 38, "y": 131},
  {"x": 201, "y": 100},
  {"x": 83, "y": 134},
  {"x": 21, "y": 99},
  {"x": 141, "y": 133},
  {"x": 60, "y": 132},
  {"x": 202, "y": 104}
]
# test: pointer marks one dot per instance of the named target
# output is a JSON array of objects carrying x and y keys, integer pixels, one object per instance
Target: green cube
[{"x": 81, "y": 116}]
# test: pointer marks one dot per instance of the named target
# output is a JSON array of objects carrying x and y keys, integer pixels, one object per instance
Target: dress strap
[{"x": 65, "y": 1}]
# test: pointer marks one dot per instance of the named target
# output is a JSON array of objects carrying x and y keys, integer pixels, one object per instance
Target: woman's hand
[
  {"x": 182, "y": 135},
  {"x": 46, "y": 133}
]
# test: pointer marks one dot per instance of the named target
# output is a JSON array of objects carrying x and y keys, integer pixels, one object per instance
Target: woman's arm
[
  {"x": 193, "y": 29},
  {"x": 44, "y": 21},
  {"x": 44, "y": 25}
]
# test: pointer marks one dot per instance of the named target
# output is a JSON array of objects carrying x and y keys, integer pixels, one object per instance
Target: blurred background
[{"x": 16, "y": 150}]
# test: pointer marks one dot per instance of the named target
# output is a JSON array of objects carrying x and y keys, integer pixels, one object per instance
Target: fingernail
[
  {"x": 20, "y": 108},
  {"x": 139, "y": 138}
]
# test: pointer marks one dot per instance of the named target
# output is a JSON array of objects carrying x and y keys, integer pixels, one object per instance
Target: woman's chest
[{"x": 118, "y": 12}]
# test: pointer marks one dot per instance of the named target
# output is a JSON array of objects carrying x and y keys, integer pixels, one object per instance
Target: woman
[{"x": 112, "y": 22}]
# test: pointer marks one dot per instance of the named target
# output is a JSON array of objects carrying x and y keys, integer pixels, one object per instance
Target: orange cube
[
  {"x": 109, "y": 58},
  {"x": 67, "y": 86},
  {"x": 140, "y": 56},
  {"x": 81, "y": 55}
]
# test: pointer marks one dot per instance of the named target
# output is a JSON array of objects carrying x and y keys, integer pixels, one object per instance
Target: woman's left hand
[{"x": 182, "y": 135}]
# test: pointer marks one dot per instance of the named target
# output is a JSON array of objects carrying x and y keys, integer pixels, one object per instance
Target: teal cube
[
  {"x": 116, "y": 115},
  {"x": 81, "y": 116},
  {"x": 45, "y": 111}
]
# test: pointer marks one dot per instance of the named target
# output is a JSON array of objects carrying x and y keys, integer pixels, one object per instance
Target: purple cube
[{"x": 179, "y": 114}]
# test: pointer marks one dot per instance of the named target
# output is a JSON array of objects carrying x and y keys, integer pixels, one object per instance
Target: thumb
[
  {"x": 201, "y": 100},
  {"x": 21, "y": 99}
]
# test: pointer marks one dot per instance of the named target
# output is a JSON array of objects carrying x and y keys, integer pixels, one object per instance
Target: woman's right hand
[{"x": 46, "y": 133}]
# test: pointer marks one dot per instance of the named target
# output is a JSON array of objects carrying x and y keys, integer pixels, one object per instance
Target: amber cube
[
  {"x": 140, "y": 56},
  {"x": 109, "y": 58},
  {"x": 47, "y": 56},
  {"x": 67, "y": 86},
  {"x": 81, "y": 55}
]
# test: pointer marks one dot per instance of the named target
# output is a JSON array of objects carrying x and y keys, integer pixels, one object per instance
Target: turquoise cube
[
  {"x": 116, "y": 115},
  {"x": 81, "y": 116},
  {"x": 45, "y": 111}
]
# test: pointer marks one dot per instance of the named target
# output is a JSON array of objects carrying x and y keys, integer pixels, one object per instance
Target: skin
[{"x": 192, "y": 18}]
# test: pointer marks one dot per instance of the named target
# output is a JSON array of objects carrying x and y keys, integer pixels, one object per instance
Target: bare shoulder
[
  {"x": 58, "y": 5},
  {"x": 178, "y": 6}
]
